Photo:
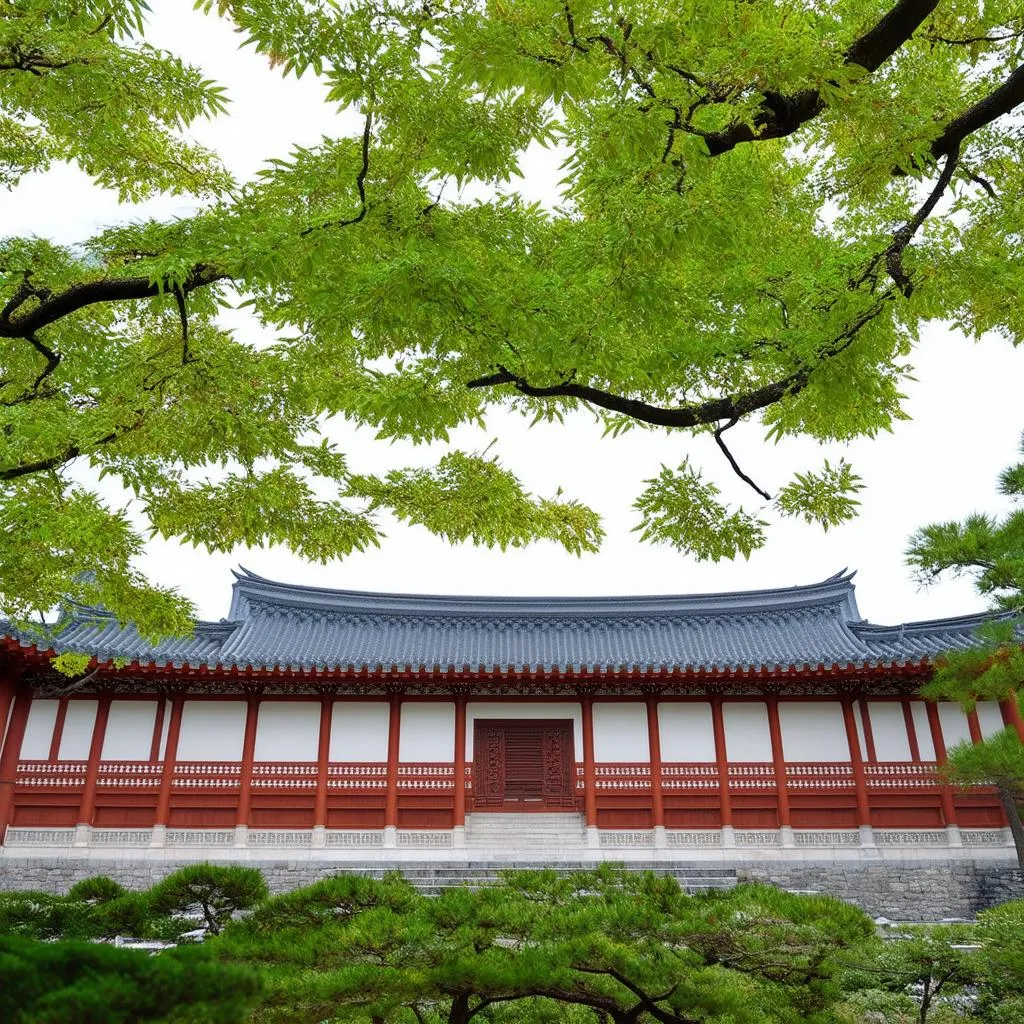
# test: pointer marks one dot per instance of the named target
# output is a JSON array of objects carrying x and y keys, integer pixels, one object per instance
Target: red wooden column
[
  {"x": 391, "y": 793},
  {"x": 12, "y": 750},
  {"x": 163, "y": 802},
  {"x": 1011, "y": 715},
  {"x": 974, "y": 726},
  {"x": 252, "y": 715},
  {"x": 869, "y": 734},
  {"x": 935, "y": 727},
  {"x": 58, "y": 729},
  {"x": 323, "y": 759},
  {"x": 779, "y": 764},
  {"x": 722, "y": 762},
  {"x": 860, "y": 782},
  {"x": 87, "y": 808},
  {"x": 908, "y": 722},
  {"x": 459, "y": 761},
  {"x": 8, "y": 688},
  {"x": 158, "y": 729},
  {"x": 654, "y": 752},
  {"x": 589, "y": 777}
]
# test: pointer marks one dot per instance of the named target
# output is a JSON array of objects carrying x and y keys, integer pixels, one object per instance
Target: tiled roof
[{"x": 277, "y": 625}]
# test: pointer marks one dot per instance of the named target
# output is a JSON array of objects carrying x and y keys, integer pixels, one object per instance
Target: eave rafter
[{"x": 879, "y": 677}]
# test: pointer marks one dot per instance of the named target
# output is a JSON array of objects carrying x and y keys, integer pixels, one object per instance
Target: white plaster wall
[
  {"x": 687, "y": 731},
  {"x": 212, "y": 730},
  {"x": 746, "y": 731},
  {"x": 813, "y": 731},
  {"x": 889, "y": 729},
  {"x": 359, "y": 731},
  {"x": 129, "y": 735},
  {"x": 620, "y": 732},
  {"x": 954, "y": 724},
  {"x": 427, "y": 732},
  {"x": 42, "y": 714},
  {"x": 288, "y": 730},
  {"x": 990, "y": 718},
  {"x": 924, "y": 733},
  {"x": 496, "y": 710},
  {"x": 78, "y": 725}
]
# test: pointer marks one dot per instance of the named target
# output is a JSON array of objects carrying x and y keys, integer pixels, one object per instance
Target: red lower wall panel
[
  {"x": 981, "y": 810},
  {"x": 923, "y": 810},
  {"x": 621, "y": 811},
  {"x": 206, "y": 811},
  {"x": 699, "y": 811},
  {"x": 349, "y": 811},
  {"x": 45, "y": 810},
  {"x": 426, "y": 811},
  {"x": 823, "y": 810},
  {"x": 283, "y": 810},
  {"x": 755, "y": 811},
  {"x": 125, "y": 810}
]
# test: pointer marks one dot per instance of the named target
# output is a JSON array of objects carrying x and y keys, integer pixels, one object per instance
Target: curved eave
[{"x": 446, "y": 674}]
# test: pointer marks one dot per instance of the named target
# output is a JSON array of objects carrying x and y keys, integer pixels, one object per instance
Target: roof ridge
[{"x": 249, "y": 586}]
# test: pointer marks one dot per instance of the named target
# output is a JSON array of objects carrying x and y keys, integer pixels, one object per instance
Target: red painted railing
[
  {"x": 676, "y": 777},
  {"x": 901, "y": 775},
  {"x": 62, "y": 774},
  {"x": 436, "y": 775},
  {"x": 284, "y": 775},
  {"x": 207, "y": 775}
]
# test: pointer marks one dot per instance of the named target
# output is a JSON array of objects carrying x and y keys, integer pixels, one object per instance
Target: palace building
[{"x": 342, "y": 725}]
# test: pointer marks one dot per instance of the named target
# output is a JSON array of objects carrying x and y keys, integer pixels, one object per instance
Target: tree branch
[
  {"x": 998, "y": 102},
  {"x": 685, "y": 416},
  {"x": 61, "y": 304},
  {"x": 894, "y": 254},
  {"x": 360, "y": 182},
  {"x": 72, "y": 451},
  {"x": 732, "y": 462},
  {"x": 647, "y": 1004},
  {"x": 782, "y": 115}
]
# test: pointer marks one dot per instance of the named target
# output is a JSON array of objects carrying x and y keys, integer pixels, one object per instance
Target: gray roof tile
[{"x": 278, "y": 625}]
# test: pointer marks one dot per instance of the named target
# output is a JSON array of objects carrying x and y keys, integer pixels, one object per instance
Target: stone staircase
[
  {"x": 433, "y": 878},
  {"x": 536, "y": 835}
]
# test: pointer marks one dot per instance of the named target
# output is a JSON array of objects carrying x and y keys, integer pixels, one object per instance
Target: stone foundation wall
[{"x": 900, "y": 891}]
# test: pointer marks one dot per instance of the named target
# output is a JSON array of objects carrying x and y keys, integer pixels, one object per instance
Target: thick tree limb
[
  {"x": 894, "y": 254},
  {"x": 1000, "y": 101},
  {"x": 57, "y": 305},
  {"x": 684, "y": 416},
  {"x": 698, "y": 414},
  {"x": 782, "y": 115}
]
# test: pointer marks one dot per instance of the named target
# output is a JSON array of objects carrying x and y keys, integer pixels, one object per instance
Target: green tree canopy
[
  {"x": 990, "y": 550},
  {"x": 60, "y": 982},
  {"x": 614, "y": 945},
  {"x": 761, "y": 205}
]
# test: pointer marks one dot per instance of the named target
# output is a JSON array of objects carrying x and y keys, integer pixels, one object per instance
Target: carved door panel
[
  {"x": 524, "y": 764},
  {"x": 489, "y": 766},
  {"x": 558, "y": 765}
]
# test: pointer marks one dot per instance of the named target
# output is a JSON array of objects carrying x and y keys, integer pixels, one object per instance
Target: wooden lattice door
[{"x": 523, "y": 764}]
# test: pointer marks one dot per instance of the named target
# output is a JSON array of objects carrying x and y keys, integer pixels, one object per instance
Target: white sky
[{"x": 967, "y": 418}]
